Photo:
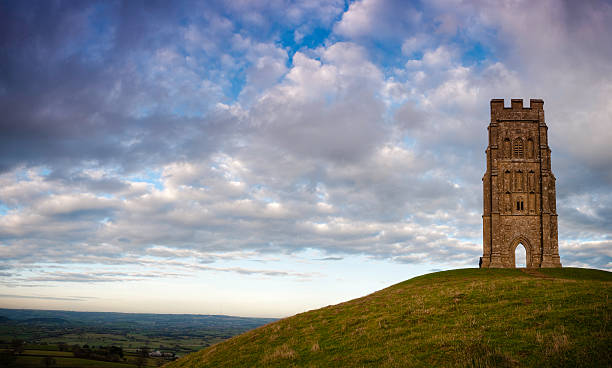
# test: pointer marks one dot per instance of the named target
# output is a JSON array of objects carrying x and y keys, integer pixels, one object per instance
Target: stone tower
[{"x": 519, "y": 188}]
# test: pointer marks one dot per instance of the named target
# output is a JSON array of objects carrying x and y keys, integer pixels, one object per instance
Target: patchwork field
[{"x": 84, "y": 339}]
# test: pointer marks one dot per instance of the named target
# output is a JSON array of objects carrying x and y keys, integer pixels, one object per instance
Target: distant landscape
[{"x": 103, "y": 339}]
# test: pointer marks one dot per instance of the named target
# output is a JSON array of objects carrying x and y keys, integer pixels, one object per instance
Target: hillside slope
[{"x": 469, "y": 317}]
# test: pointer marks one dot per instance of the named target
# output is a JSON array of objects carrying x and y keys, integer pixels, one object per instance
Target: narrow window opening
[
  {"x": 518, "y": 148},
  {"x": 521, "y": 205},
  {"x": 518, "y": 205}
]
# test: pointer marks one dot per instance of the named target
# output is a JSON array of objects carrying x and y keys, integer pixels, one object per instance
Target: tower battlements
[{"x": 517, "y": 111}]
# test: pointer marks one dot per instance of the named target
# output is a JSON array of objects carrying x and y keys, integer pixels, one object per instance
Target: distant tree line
[
  {"x": 8, "y": 357},
  {"x": 106, "y": 353}
]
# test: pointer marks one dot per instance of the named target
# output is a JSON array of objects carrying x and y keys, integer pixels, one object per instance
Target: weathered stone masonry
[{"x": 519, "y": 188}]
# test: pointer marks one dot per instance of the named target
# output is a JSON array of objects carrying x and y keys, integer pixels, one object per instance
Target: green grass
[
  {"x": 50, "y": 353},
  {"x": 459, "y": 318},
  {"x": 62, "y": 362},
  {"x": 134, "y": 341},
  {"x": 45, "y": 347},
  {"x": 33, "y": 358},
  {"x": 577, "y": 273}
]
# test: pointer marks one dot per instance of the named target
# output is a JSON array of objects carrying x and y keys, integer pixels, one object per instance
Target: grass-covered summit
[{"x": 469, "y": 317}]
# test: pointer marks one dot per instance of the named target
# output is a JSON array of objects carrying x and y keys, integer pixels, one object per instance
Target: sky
[{"x": 264, "y": 158}]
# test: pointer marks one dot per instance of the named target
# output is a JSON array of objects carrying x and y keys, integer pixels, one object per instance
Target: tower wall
[{"x": 519, "y": 188}]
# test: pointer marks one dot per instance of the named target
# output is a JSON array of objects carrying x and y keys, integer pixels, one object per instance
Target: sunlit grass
[{"x": 470, "y": 317}]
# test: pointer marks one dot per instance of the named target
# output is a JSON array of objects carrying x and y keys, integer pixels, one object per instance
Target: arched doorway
[
  {"x": 520, "y": 256},
  {"x": 520, "y": 252}
]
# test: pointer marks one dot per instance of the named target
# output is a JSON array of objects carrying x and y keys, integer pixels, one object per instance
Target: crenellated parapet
[{"x": 517, "y": 111}]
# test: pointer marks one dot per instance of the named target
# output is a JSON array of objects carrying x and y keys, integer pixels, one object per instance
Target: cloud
[
  {"x": 378, "y": 19},
  {"x": 324, "y": 109},
  {"x": 72, "y": 299},
  {"x": 584, "y": 254},
  {"x": 246, "y": 271},
  {"x": 97, "y": 276},
  {"x": 216, "y": 136},
  {"x": 329, "y": 259}
]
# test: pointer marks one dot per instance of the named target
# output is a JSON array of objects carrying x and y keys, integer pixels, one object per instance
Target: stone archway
[
  {"x": 528, "y": 251},
  {"x": 520, "y": 256}
]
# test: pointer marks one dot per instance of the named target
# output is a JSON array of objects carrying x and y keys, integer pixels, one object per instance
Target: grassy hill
[{"x": 469, "y": 317}]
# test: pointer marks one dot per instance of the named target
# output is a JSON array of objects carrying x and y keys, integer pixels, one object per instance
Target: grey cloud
[
  {"x": 74, "y": 299},
  {"x": 112, "y": 110},
  {"x": 76, "y": 178},
  {"x": 409, "y": 117},
  {"x": 325, "y": 110},
  {"x": 246, "y": 271},
  {"x": 329, "y": 259},
  {"x": 109, "y": 91},
  {"x": 97, "y": 276},
  {"x": 121, "y": 276},
  {"x": 587, "y": 253}
]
